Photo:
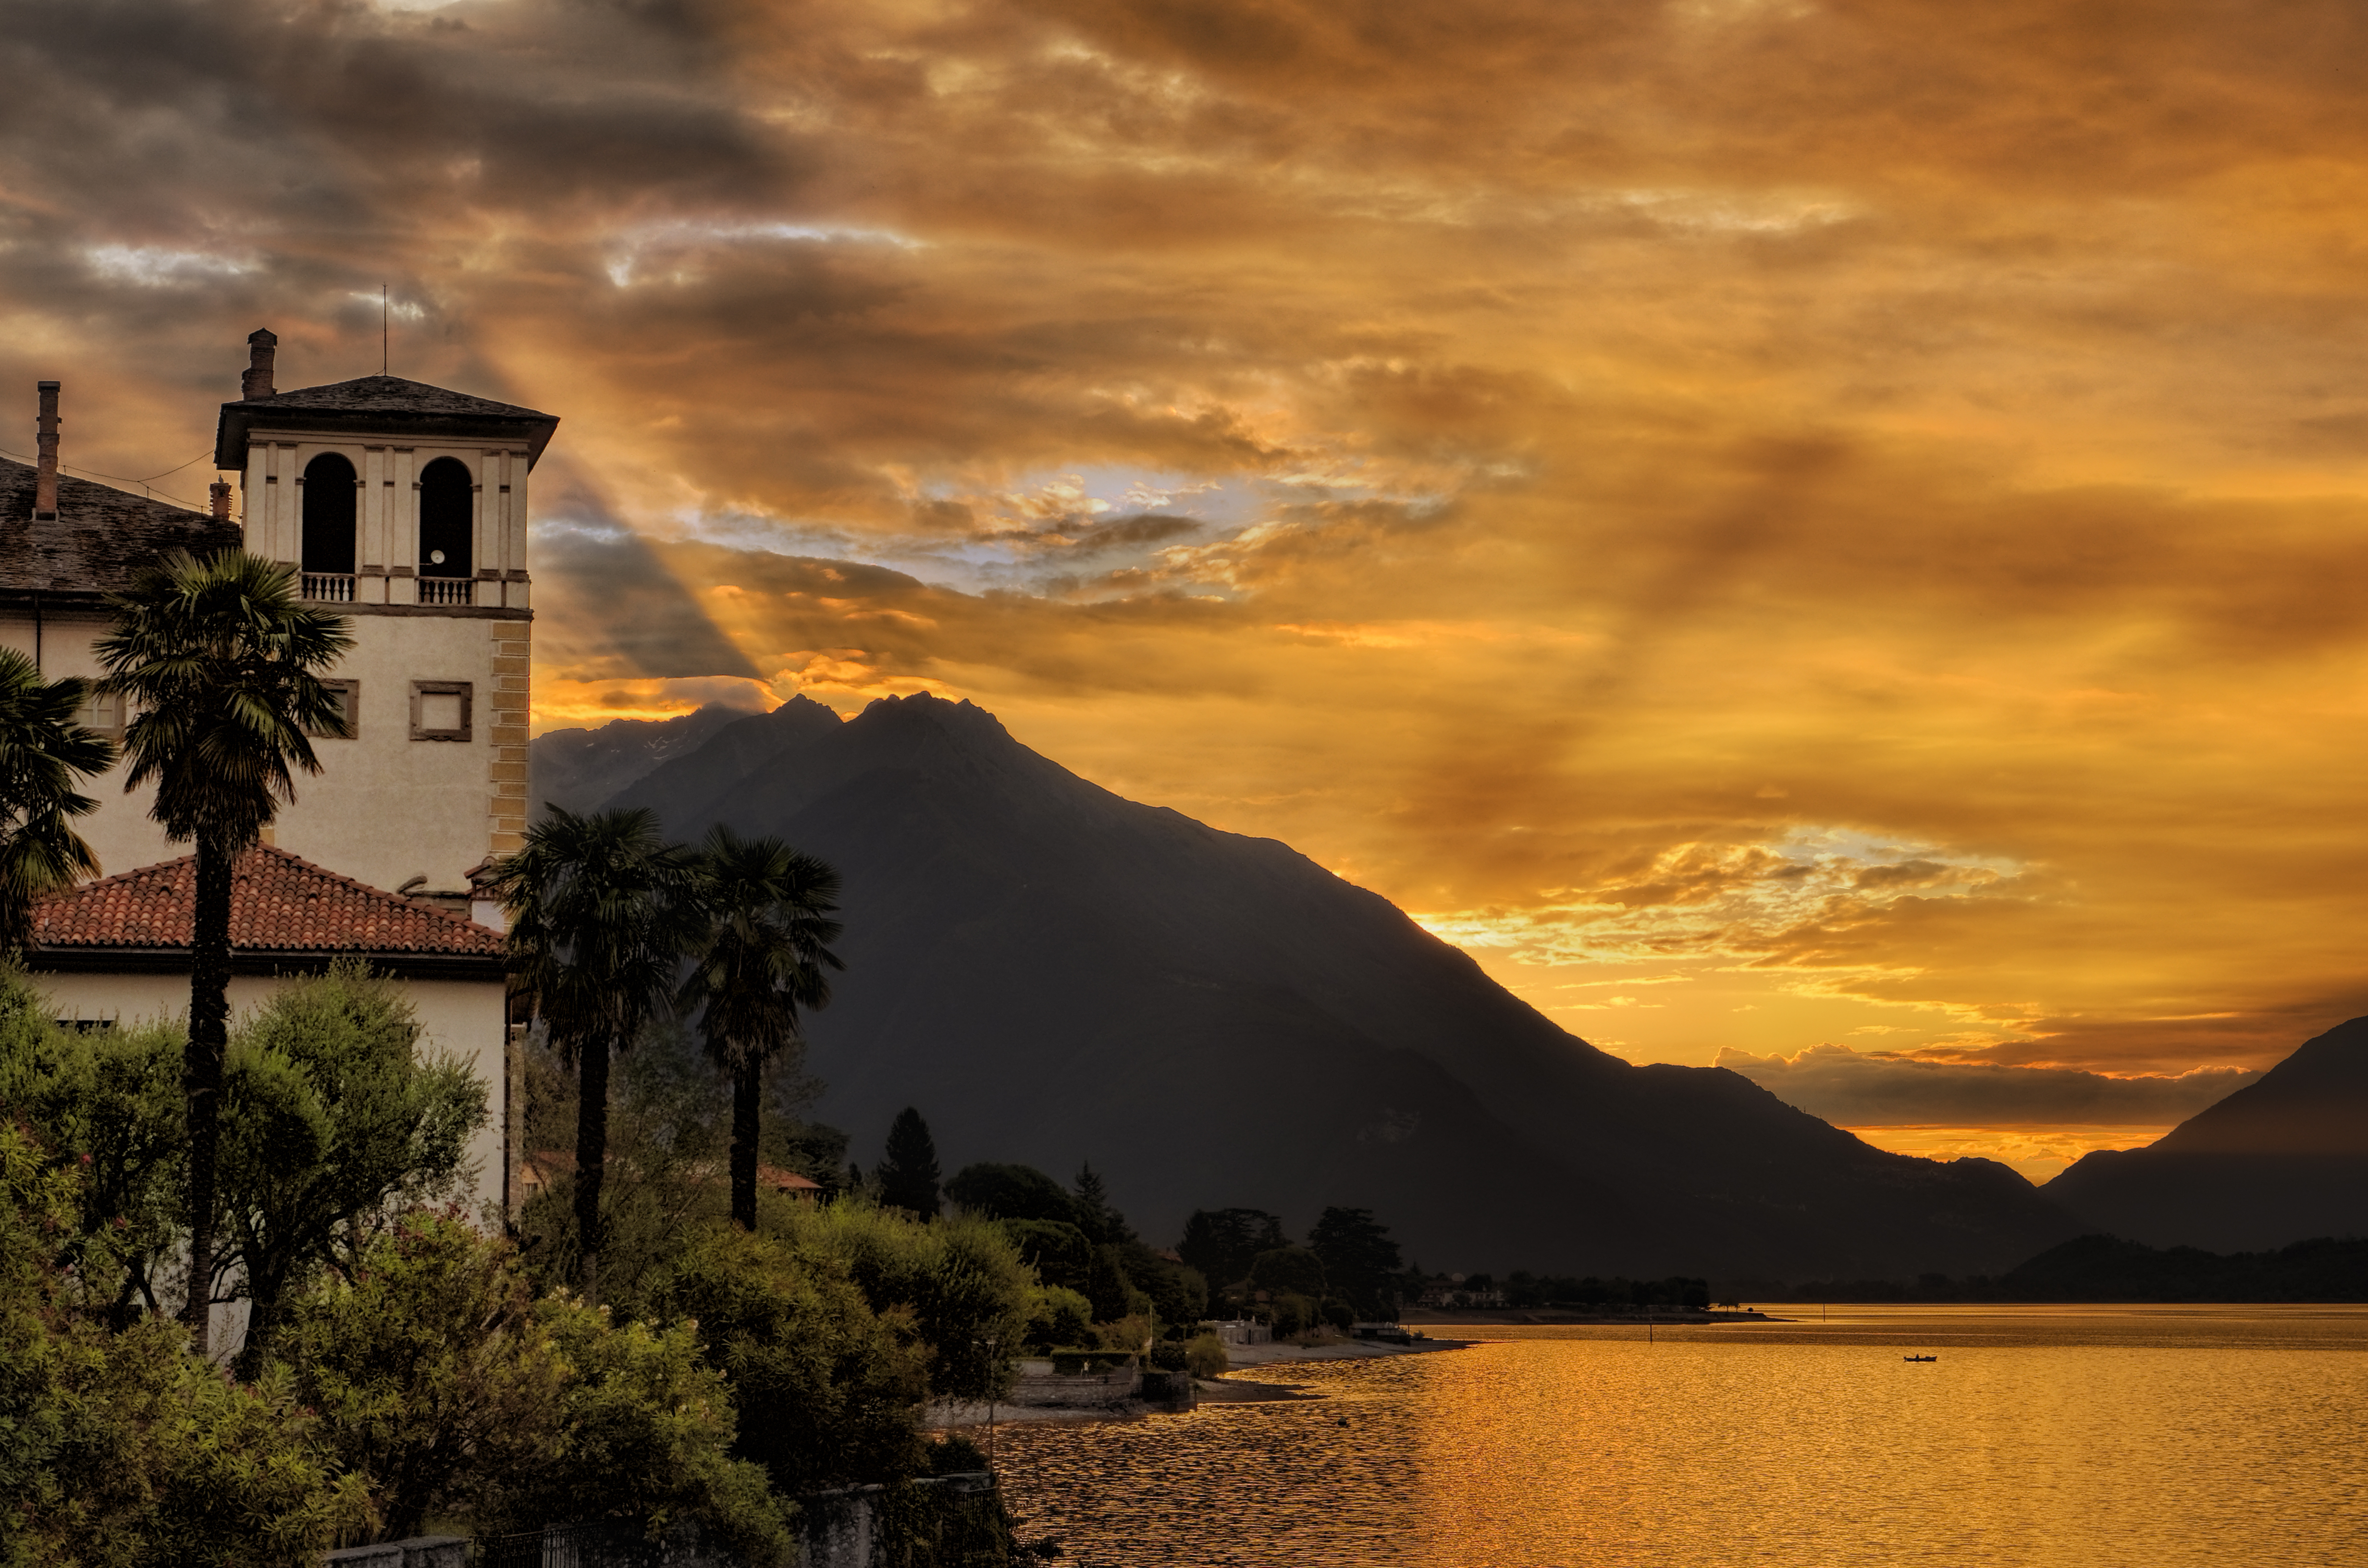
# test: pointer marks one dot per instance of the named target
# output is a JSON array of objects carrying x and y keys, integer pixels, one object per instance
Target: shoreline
[
  {"x": 961, "y": 1415},
  {"x": 1502, "y": 1317}
]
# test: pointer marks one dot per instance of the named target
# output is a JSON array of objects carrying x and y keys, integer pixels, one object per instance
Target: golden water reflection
[{"x": 2042, "y": 1436}]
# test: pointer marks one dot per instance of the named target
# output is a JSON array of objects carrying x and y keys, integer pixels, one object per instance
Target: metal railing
[
  {"x": 597, "y": 1543},
  {"x": 448, "y": 590},
  {"x": 336, "y": 587}
]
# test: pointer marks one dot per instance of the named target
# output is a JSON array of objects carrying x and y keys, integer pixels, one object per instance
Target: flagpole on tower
[{"x": 381, "y": 329}]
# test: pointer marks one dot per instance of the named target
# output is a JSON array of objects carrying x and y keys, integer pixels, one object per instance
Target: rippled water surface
[{"x": 2160, "y": 1436}]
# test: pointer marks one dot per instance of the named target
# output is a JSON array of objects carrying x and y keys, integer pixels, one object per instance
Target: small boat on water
[{"x": 1919, "y": 1358}]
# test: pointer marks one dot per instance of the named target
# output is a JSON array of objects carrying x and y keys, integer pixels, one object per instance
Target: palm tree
[
  {"x": 222, "y": 661},
  {"x": 44, "y": 752},
  {"x": 761, "y": 958},
  {"x": 601, "y": 911}
]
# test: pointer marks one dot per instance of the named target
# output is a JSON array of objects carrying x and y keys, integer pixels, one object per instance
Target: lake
[{"x": 2155, "y": 1436}]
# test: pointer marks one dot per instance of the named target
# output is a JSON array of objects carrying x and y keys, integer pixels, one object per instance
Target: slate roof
[
  {"x": 101, "y": 538},
  {"x": 382, "y": 405},
  {"x": 279, "y": 903}
]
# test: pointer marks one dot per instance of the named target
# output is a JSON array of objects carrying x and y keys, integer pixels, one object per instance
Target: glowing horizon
[{"x": 1851, "y": 506}]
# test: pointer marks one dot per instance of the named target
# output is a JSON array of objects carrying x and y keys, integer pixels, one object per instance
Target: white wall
[
  {"x": 385, "y": 807},
  {"x": 464, "y": 1017}
]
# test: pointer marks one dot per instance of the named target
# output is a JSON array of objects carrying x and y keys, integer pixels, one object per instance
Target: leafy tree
[
  {"x": 1179, "y": 1292},
  {"x": 1059, "y": 1253},
  {"x": 109, "y": 1105},
  {"x": 333, "y": 1124},
  {"x": 908, "y": 1175},
  {"x": 647, "y": 1433},
  {"x": 223, "y": 664},
  {"x": 430, "y": 1368},
  {"x": 445, "y": 1389},
  {"x": 44, "y": 753},
  {"x": 601, "y": 913},
  {"x": 825, "y": 1387},
  {"x": 1359, "y": 1260},
  {"x": 761, "y": 958},
  {"x": 1294, "y": 1269},
  {"x": 1223, "y": 1243},
  {"x": 1013, "y": 1192},
  {"x": 128, "y": 1449},
  {"x": 1058, "y": 1318},
  {"x": 960, "y": 1280},
  {"x": 1111, "y": 1286}
]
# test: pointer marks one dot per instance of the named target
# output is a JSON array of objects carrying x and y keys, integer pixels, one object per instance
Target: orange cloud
[{"x": 1849, "y": 504}]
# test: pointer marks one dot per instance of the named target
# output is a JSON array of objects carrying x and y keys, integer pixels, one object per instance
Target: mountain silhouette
[
  {"x": 581, "y": 769},
  {"x": 2281, "y": 1160},
  {"x": 1054, "y": 974}
]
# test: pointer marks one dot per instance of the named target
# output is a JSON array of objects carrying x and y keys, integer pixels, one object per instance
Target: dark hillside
[
  {"x": 2280, "y": 1160},
  {"x": 1052, "y": 973},
  {"x": 581, "y": 769}
]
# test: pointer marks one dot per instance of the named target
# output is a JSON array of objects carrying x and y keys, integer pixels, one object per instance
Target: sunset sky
[{"x": 1825, "y": 535}]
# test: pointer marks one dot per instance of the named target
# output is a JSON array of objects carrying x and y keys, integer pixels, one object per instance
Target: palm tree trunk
[
  {"x": 591, "y": 1153},
  {"x": 201, "y": 1070},
  {"x": 747, "y": 1081}
]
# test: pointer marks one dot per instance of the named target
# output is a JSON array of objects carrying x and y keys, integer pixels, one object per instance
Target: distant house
[
  {"x": 117, "y": 950},
  {"x": 788, "y": 1183}
]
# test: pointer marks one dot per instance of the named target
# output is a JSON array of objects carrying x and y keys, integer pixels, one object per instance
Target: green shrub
[
  {"x": 126, "y": 1449},
  {"x": 827, "y": 1389},
  {"x": 959, "y": 1281},
  {"x": 1294, "y": 1315},
  {"x": 1057, "y": 1317},
  {"x": 1205, "y": 1356}
]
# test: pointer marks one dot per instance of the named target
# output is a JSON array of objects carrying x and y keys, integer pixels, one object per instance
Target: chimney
[
  {"x": 261, "y": 345},
  {"x": 45, "y": 488},
  {"x": 218, "y": 499}
]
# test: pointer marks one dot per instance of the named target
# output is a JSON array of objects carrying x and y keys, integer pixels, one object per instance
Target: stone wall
[
  {"x": 958, "y": 1514},
  {"x": 1080, "y": 1390}
]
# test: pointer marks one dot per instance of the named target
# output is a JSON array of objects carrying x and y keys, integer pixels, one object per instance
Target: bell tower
[{"x": 403, "y": 507}]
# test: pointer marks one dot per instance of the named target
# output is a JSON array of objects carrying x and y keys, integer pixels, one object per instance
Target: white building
[{"x": 403, "y": 507}]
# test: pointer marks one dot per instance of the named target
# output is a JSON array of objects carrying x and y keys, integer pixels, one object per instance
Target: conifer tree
[{"x": 908, "y": 1174}]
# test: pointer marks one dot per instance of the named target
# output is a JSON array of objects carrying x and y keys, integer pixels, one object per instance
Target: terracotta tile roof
[
  {"x": 101, "y": 538},
  {"x": 278, "y": 902}
]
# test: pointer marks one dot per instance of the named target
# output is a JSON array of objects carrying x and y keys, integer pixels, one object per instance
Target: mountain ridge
[
  {"x": 2283, "y": 1160},
  {"x": 1053, "y": 972}
]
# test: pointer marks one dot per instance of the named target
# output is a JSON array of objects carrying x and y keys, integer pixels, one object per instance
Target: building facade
[{"x": 401, "y": 507}]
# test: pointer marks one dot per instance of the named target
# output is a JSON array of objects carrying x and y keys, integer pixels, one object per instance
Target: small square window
[
  {"x": 439, "y": 710},
  {"x": 102, "y": 711},
  {"x": 348, "y": 696}
]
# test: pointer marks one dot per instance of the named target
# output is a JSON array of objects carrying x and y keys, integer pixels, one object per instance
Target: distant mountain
[
  {"x": 1054, "y": 974},
  {"x": 2105, "y": 1268},
  {"x": 2280, "y": 1161},
  {"x": 581, "y": 769}
]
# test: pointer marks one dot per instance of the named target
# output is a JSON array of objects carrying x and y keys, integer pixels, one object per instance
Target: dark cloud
[
  {"x": 1853, "y": 1088},
  {"x": 1857, "y": 498}
]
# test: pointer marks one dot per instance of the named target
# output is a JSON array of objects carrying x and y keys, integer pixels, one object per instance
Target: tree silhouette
[
  {"x": 1097, "y": 1215},
  {"x": 760, "y": 959},
  {"x": 601, "y": 912},
  {"x": 1358, "y": 1258},
  {"x": 222, "y": 661},
  {"x": 1223, "y": 1243},
  {"x": 44, "y": 753},
  {"x": 908, "y": 1175}
]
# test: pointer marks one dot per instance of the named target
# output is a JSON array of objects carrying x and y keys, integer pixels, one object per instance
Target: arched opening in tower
[{"x": 329, "y": 492}]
